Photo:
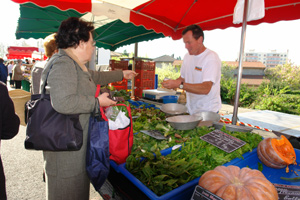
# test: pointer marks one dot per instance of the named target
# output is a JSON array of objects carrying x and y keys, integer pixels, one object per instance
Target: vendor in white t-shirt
[{"x": 200, "y": 74}]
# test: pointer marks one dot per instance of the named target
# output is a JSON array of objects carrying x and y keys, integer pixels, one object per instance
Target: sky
[{"x": 281, "y": 36}]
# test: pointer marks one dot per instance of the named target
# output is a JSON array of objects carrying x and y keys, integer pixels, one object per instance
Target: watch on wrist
[{"x": 181, "y": 85}]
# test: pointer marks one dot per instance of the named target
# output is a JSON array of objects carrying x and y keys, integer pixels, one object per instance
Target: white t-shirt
[
  {"x": 201, "y": 68},
  {"x": 9, "y": 68}
]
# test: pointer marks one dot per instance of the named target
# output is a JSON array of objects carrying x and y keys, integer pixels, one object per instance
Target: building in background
[
  {"x": 253, "y": 72},
  {"x": 269, "y": 59},
  {"x": 163, "y": 59}
]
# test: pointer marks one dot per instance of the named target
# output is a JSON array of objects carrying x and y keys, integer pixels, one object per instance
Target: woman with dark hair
[{"x": 72, "y": 87}]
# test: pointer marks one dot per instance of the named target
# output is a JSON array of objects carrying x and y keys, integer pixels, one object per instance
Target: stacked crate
[
  {"x": 119, "y": 65},
  {"x": 145, "y": 78}
]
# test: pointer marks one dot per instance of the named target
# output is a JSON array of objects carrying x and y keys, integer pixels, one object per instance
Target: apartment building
[{"x": 269, "y": 59}]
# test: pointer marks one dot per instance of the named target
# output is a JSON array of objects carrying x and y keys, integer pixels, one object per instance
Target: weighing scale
[{"x": 156, "y": 94}]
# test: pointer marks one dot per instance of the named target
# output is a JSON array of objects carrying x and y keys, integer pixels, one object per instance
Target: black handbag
[{"x": 49, "y": 130}]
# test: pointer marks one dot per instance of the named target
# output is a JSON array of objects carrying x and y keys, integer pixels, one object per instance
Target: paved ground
[{"x": 24, "y": 169}]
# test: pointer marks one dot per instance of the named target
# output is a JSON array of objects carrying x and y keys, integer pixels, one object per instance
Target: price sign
[
  {"x": 223, "y": 141},
  {"x": 202, "y": 194},
  {"x": 288, "y": 191}
]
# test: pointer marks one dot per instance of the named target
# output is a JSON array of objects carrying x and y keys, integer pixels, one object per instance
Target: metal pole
[
  {"x": 133, "y": 68},
  {"x": 239, "y": 78}
]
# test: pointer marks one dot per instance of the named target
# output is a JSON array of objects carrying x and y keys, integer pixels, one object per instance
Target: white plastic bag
[{"x": 116, "y": 119}]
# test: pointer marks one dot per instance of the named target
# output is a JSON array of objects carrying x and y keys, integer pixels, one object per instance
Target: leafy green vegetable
[
  {"x": 162, "y": 174},
  {"x": 291, "y": 179},
  {"x": 181, "y": 166},
  {"x": 260, "y": 166}
]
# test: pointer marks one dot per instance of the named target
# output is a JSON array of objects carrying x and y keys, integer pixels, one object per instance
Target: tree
[
  {"x": 286, "y": 74},
  {"x": 167, "y": 71}
]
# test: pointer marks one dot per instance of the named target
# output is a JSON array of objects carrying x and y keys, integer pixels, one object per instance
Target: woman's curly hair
[
  {"x": 71, "y": 31},
  {"x": 50, "y": 45}
]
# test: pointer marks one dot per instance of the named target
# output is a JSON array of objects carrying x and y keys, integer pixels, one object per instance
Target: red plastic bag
[{"x": 121, "y": 140}]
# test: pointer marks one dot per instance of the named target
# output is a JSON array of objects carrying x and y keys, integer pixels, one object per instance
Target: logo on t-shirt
[{"x": 198, "y": 68}]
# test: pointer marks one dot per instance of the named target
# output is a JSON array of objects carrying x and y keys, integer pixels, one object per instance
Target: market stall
[
  {"x": 201, "y": 149},
  {"x": 244, "y": 156},
  {"x": 16, "y": 52}
]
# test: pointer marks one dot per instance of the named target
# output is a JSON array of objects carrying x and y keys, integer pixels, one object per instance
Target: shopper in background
[
  {"x": 3, "y": 71},
  {"x": 72, "y": 87},
  {"x": 10, "y": 67},
  {"x": 50, "y": 49},
  {"x": 9, "y": 127},
  {"x": 200, "y": 74},
  {"x": 17, "y": 74}
]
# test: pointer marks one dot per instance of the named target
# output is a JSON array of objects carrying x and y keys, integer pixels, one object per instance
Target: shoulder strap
[{"x": 46, "y": 80}]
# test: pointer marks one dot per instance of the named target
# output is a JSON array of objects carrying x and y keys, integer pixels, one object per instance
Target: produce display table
[
  {"x": 132, "y": 188},
  {"x": 129, "y": 186}
]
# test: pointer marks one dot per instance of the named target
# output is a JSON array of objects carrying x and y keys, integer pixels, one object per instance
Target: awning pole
[
  {"x": 240, "y": 71},
  {"x": 133, "y": 68}
]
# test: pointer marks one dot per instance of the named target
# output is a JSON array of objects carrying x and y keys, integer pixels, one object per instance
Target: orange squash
[
  {"x": 276, "y": 152},
  {"x": 233, "y": 183}
]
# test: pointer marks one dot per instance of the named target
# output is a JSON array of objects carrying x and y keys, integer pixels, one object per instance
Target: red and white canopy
[{"x": 170, "y": 17}]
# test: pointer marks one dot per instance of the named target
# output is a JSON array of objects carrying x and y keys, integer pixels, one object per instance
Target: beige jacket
[{"x": 17, "y": 73}]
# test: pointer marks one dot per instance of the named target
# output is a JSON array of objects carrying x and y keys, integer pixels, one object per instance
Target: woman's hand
[
  {"x": 104, "y": 100},
  {"x": 129, "y": 74}
]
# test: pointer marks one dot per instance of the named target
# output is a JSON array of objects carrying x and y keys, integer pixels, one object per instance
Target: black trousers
[
  {"x": 18, "y": 84},
  {"x": 11, "y": 82}
]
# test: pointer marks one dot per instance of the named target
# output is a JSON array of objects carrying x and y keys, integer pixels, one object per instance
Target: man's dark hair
[
  {"x": 196, "y": 30},
  {"x": 72, "y": 31}
]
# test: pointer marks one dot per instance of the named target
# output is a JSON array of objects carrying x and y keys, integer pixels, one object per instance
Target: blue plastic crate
[
  {"x": 140, "y": 103},
  {"x": 170, "y": 99},
  {"x": 186, "y": 191},
  {"x": 273, "y": 175}
]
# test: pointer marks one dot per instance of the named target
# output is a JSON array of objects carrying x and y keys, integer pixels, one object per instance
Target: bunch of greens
[
  {"x": 147, "y": 119},
  {"x": 122, "y": 93},
  {"x": 162, "y": 174},
  {"x": 143, "y": 144}
]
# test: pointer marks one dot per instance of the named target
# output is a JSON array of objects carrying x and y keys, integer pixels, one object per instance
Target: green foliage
[
  {"x": 286, "y": 103},
  {"x": 167, "y": 71},
  {"x": 277, "y": 94},
  {"x": 285, "y": 74},
  {"x": 227, "y": 71},
  {"x": 293, "y": 92},
  {"x": 273, "y": 87},
  {"x": 247, "y": 95},
  {"x": 228, "y": 88}
]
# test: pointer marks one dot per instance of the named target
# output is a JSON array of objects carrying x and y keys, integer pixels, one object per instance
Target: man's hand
[{"x": 171, "y": 84}]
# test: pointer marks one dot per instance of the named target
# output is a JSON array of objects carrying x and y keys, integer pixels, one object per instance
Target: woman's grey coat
[{"x": 72, "y": 91}]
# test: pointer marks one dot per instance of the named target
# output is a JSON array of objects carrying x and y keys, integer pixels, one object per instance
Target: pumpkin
[
  {"x": 233, "y": 183},
  {"x": 276, "y": 152}
]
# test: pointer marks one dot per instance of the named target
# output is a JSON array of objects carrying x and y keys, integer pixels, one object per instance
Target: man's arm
[{"x": 198, "y": 88}]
